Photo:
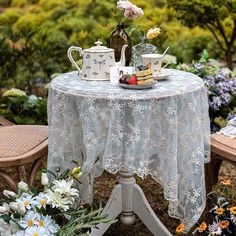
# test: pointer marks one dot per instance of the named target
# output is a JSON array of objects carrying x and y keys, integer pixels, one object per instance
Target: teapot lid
[{"x": 99, "y": 48}]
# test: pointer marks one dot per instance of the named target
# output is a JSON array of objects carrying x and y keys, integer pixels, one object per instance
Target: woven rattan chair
[
  {"x": 21, "y": 146},
  {"x": 223, "y": 148}
]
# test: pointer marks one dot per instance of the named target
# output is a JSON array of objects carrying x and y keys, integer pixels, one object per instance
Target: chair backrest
[{"x": 5, "y": 122}]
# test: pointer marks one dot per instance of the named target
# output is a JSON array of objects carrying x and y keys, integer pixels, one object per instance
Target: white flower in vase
[{"x": 153, "y": 33}]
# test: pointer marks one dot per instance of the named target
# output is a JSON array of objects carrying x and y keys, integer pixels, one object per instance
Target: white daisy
[
  {"x": 19, "y": 233},
  {"x": 40, "y": 200},
  {"x": 26, "y": 199},
  {"x": 36, "y": 231},
  {"x": 214, "y": 229},
  {"x": 48, "y": 223},
  {"x": 30, "y": 219}
]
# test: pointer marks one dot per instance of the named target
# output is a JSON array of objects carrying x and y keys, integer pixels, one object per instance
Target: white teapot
[{"x": 97, "y": 61}]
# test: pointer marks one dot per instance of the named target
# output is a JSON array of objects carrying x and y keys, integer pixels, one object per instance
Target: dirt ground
[{"x": 154, "y": 193}]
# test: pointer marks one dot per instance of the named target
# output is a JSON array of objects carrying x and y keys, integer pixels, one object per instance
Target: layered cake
[{"x": 144, "y": 77}]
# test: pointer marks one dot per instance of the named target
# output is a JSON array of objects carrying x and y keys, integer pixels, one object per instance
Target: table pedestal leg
[{"x": 126, "y": 199}]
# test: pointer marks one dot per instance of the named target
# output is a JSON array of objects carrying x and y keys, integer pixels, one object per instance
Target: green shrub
[
  {"x": 19, "y": 3},
  {"x": 34, "y": 38},
  {"x": 23, "y": 109}
]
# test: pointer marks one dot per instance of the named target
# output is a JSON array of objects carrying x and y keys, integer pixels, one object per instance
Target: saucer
[
  {"x": 162, "y": 75},
  {"x": 144, "y": 86}
]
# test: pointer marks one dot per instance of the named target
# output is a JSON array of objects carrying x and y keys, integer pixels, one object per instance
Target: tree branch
[
  {"x": 233, "y": 36},
  {"x": 216, "y": 37},
  {"x": 221, "y": 29}
]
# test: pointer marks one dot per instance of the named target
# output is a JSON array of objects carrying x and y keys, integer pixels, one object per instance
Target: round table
[{"x": 163, "y": 132}]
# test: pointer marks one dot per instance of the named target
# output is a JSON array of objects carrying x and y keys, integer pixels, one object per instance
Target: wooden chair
[
  {"x": 21, "y": 146},
  {"x": 223, "y": 148}
]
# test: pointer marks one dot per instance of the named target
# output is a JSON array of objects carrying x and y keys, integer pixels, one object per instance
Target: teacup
[{"x": 155, "y": 61}]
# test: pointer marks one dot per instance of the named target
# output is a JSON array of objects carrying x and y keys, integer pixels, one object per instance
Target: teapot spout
[{"x": 122, "y": 58}]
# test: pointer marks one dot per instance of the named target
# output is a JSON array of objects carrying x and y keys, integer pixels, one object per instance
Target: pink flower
[
  {"x": 123, "y": 5},
  {"x": 131, "y": 11}
]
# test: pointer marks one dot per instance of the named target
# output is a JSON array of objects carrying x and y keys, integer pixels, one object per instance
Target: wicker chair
[
  {"x": 223, "y": 148},
  {"x": 21, "y": 146}
]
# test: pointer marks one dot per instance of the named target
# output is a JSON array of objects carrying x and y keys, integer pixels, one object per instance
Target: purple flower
[
  {"x": 199, "y": 66},
  {"x": 216, "y": 103},
  {"x": 226, "y": 98},
  {"x": 214, "y": 229}
]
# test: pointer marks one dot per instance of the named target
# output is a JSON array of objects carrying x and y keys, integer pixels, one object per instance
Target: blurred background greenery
[{"x": 35, "y": 35}]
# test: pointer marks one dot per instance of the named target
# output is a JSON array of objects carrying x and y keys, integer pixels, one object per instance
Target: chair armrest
[{"x": 5, "y": 122}]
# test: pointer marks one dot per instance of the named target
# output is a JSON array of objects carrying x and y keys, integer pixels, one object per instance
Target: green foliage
[
  {"x": 218, "y": 16},
  {"x": 190, "y": 43},
  {"x": 22, "y": 109},
  {"x": 35, "y": 35},
  {"x": 5, "y": 3},
  {"x": 83, "y": 221},
  {"x": 19, "y": 3}
]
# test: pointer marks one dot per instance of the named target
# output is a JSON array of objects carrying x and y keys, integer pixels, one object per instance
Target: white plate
[
  {"x": 144, "y": 86},
  {"x": 162, "y": 75}
]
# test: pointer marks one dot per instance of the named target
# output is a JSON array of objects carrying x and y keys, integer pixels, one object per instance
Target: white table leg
[
  {"x": 128, "y": 198},
  {"x": 146, "y": 214},
  {"x": 113, "y": 208}
]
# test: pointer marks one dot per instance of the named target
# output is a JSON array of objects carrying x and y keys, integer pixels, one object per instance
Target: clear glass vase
[{"x": 142, "y": 48}]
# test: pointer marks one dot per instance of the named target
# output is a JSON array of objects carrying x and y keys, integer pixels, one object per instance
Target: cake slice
[
  {"x": 144, "y": 73},
  {"x": 145, "y": 81}
]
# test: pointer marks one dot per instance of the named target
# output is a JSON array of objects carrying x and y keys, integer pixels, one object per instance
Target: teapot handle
[{"x": 69, "y": 54}]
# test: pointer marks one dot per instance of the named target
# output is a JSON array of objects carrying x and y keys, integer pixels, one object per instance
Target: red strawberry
[{"x": 132, "y": 80}]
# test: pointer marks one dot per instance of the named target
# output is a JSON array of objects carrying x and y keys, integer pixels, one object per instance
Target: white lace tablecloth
[{"x": 163, "y": 132}]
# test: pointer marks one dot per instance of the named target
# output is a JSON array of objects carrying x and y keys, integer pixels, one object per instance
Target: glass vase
[
  {"x": 142, "y": 48},
  {"x": 117, "y": 39}
]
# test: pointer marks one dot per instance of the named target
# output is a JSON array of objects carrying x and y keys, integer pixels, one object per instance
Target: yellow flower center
[
  {"x": 26, "y": 203},
  {"x": 42, "y": 202},
  {"x": 41, "y": 223},
  {"x": 233, "y": 210},
  {"x": 224, "y": 224},
  {"x": 180, "y": 228},
  {"x": 30, "y": 223},
  {"x": 219, "y": 211},
  {"x": 202, "y": 227},
  {"x": 35, "y": 234}
]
